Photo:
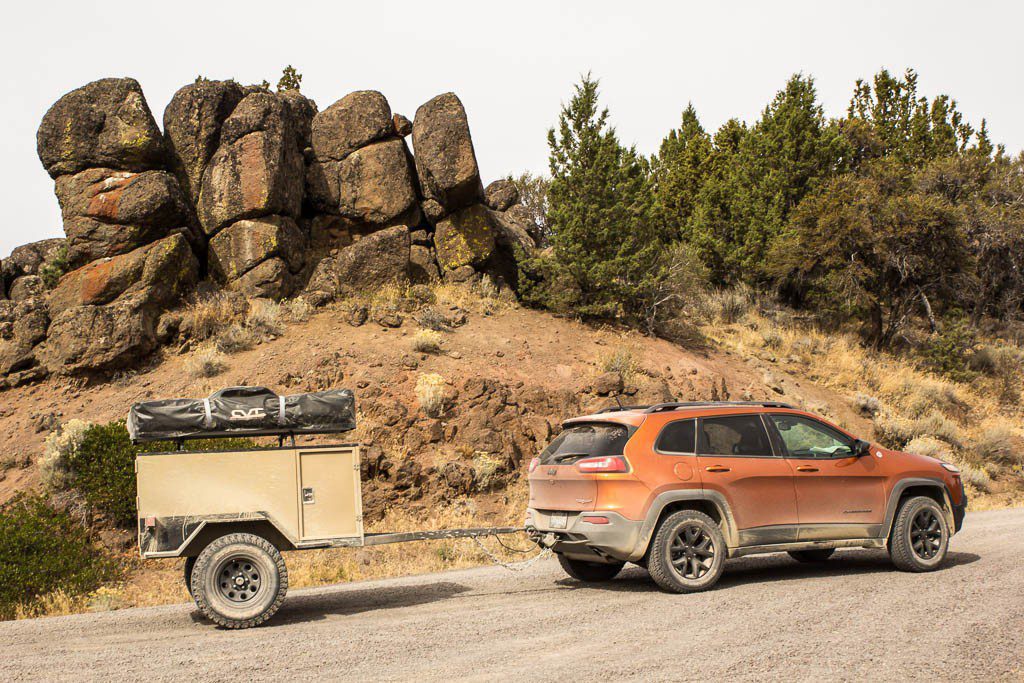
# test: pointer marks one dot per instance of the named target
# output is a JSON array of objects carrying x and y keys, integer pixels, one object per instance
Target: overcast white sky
[{"x": 512, "y": 63}]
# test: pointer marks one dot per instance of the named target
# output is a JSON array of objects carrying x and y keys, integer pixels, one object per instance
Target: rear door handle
[
  {"x": 806, "y": 468},
  {"x": 716, "y": 468}
]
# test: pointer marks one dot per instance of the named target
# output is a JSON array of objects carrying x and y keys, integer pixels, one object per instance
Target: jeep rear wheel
[
  {"x": 239, "y": 580},
  {"x": 920, "y": 536},
  {"x": 814, "y": 555},
  {"x": 688, "y": 552},
  {"x": 590, "y": 572}
]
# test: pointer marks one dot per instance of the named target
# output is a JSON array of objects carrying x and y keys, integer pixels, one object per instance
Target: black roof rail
[{"x": 663, "y": 407}]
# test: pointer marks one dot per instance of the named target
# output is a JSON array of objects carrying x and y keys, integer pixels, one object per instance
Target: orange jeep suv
[{"x": 680, "y": 487}]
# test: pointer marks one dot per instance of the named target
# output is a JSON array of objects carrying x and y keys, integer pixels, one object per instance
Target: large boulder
[
  {"x": 108, "y": 212},
  {"x": 23, "y": 325},
  {"x": 354, "y": 121},
  {"x": 29, "y": 259},
  {"x": 105, "y": 123},
  {"x": 422, "y": 265},
  {"x": 303, "y": 110},
  {"x": 445, "y": 160},
  {"x": 258, "y": 168},
  {"x": 156, "y": 275},
  {"x": 192, "y": 123},
  {"x": 501, "y": 194},
  {"x": 373, "y": 184},
  {"x": 465, "y": 238},
  {"x": 512, "y": 242},
  {"x": 271, "y": 279},
  {"x": 88, "y": 340},
  {"x": 249, "y": 244},
  {"x": 377, "y": 259}
]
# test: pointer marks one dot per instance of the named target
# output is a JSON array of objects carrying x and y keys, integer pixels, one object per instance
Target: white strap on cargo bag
[
  {"x": 280, "y": 410},
  {"x": 209, "y": 413}
]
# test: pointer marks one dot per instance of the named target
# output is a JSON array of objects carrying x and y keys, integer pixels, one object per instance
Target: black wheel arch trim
[
  {"x": 897, "y": 494},
  {"x": 667, "y": 498}
]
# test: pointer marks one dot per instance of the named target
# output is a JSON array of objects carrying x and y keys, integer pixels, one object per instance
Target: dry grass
[
  {"x": 621, "y": 361},
  {"x": 206, "y": 362},
  {"x": 297, "y": 310},
  {"x": 426, "y": 341},
  {"x": 59, "y": 449},
  {"x": 432, "y": 393},
  {"x": 204, "y": 318},
  {"x": 317, "y": 567},
  {"x": 265, "y": 318},
  {"x": 485, "y": 470},
  {"x": 909, "y": 406},
  {"x": 235, "y": 338}
]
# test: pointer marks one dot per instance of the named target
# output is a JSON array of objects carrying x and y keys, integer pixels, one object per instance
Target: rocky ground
[{"x": 851, "y": 618}]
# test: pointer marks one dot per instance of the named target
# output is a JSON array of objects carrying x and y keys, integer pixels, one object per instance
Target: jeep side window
[
  {"x": 742, "y": 435},
  {"x": 677, "y": 437},
  {"x": 807, "y": 438}
]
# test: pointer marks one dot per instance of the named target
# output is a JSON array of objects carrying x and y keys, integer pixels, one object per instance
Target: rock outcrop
[
  {"x": 260, "y": 257},
  {"x": 256, "y": 192},
  {"x": 108, "y": 212},
  {"x": 192, "y": 123},
  {"x": 445, "y": 159},
  {"x": 501, "y": 194},
  {"x": 257, "y": 169},
  {"x": 374, "y": 261},
  {"x": 105, "y": 124}
]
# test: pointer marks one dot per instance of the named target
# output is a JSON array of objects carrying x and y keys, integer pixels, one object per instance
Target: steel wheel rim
[
  {"x": 692, "y": 552},
  {"x": 926, "y": 534},
  {"x": 239, "y": 580}
]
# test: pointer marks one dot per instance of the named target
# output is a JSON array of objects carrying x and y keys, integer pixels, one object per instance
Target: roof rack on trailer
[{"x": 663, "y": 407}]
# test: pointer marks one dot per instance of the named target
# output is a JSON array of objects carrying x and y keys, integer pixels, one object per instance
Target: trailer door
[{"x": 329, "y": 495}]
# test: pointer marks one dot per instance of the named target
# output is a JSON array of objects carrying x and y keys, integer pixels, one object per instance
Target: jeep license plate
[{"x": 559, "y": 520}]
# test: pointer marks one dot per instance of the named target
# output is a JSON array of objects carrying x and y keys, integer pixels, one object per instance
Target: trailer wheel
[{"x": 239, "y": 580}]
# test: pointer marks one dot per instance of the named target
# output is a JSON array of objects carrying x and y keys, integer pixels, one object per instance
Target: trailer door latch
[{"x": 307, "y": 496}]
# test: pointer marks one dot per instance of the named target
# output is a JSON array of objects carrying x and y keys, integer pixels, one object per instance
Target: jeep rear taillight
[
  {"x": 603, "y": 465},
  {"x": 534, "y": 463}
]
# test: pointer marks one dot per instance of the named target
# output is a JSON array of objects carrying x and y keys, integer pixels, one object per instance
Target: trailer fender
[{"x": 187, "y": 536}]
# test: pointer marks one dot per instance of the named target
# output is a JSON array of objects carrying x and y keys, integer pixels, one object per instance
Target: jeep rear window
[{"x": 585, "y": 440}]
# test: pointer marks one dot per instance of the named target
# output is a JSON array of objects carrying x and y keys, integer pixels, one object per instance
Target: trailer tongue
[{"x": 231, "y": 513}]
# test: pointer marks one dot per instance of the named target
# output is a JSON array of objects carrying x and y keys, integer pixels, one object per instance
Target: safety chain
[{"x": 511, "y": 566}]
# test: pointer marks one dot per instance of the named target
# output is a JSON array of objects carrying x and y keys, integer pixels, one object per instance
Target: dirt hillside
[{"x": 506, "y": 367}]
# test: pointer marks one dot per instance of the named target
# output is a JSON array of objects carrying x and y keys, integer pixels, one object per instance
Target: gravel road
[{"x": 853, "y": 618}]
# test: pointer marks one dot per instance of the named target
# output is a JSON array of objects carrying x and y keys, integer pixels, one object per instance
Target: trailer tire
[
  {"x": 190, "y": 563},
  {"x": 239, "y": 580}
]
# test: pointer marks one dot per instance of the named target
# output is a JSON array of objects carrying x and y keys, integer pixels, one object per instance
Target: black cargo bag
[{"x": 243, "y": 411}]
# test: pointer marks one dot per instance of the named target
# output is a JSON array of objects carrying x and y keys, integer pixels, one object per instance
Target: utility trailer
[{"x": 231, "y": 513}]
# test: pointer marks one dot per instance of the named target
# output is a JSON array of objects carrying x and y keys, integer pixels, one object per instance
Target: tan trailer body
[{"x": 305, "y": 497}]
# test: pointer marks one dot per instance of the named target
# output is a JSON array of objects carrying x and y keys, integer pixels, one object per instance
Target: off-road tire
[
  {"x": 811, "y": 556},
  {"x": 264, "y": 561},
  {"x": 905, "y": 534},
  {"x": 590, "y": 572},
  {"x": 659, "y": 556},
  {"x": 190, "y": 563}
]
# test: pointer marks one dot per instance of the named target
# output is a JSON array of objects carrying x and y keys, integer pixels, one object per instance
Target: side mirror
[{"x": 861, "y": 448}]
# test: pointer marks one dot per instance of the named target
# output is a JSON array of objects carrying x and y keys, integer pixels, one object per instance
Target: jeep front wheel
[
  {"x": 239, "y": 580},
  {"x": 688, "y": 552},
  {"x": 920, "y": 536},
  {"x": 590, "y": 572}
]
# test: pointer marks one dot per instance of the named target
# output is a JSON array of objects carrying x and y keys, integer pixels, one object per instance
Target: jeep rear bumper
[{"x": 585, "y": 540}]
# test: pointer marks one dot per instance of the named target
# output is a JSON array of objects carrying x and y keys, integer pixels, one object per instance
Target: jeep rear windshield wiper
[{"x": 566, "y": 456}]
